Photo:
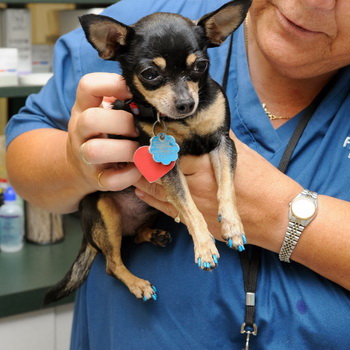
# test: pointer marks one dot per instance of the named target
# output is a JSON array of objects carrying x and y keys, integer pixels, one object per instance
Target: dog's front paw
[
  {"x": 206, "y": 255},
  {"x": 232, "y": 231}
]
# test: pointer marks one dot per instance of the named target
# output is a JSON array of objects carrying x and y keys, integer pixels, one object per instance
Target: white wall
[{"x": 47, "y": 329}]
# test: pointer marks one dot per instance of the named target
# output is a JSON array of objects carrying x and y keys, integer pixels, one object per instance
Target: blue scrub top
[{"x": 296, "y": 308}]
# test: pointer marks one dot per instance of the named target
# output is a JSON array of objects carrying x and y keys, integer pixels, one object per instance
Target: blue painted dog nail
[
  {"x": 199, "y": 262},
  {"x": 230, "y": 243},
  {"x": 244, "y": 238},
  {"x": 215, "y": 259},
  {"x": 144, "y": 298},
  {"x": 207, "y": 265},
  {"x": 219, "y": 218},
  {"x": 154, "y": 288},
  {"x": 154, "y": 296},
  {"x": 241, "y": 248}
]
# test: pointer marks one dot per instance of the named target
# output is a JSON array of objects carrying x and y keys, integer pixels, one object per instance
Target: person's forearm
[
  {"x": 38, "y": 170},
  {"x": 325, "y": 244},
  {"x": 263, "y": 203}
]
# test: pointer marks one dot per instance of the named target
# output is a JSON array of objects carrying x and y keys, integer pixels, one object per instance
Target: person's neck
[{"x": 282, "y": 95}]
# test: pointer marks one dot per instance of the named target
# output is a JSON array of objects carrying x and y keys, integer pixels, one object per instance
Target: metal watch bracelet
[{"x": 297, "y": 222}]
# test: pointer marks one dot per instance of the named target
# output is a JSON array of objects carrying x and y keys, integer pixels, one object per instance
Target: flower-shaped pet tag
[{"x": 164, "y": 148}]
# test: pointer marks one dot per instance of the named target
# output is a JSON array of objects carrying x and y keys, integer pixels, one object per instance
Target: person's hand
[
  {"x": 101, "y": 163},
  {"x": 202, "y": 184},
  {"x": 257, "y": 183}
]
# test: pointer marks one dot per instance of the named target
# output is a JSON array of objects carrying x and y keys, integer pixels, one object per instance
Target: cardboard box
[
  {"x": 8, "y": 67},
  {"x": 42, "y": 58},
  {"x": 69, "y": 20},
  {"x": 15, "y": 32}
]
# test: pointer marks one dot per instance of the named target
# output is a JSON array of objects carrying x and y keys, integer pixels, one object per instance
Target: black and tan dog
[{"x": 165, "y": 63}]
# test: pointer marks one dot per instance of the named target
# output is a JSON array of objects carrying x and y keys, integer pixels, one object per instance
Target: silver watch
[{"x": 302, "y": 210}]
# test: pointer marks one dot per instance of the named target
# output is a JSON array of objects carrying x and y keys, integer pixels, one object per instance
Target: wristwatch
[{"x": 302, "y": 210}]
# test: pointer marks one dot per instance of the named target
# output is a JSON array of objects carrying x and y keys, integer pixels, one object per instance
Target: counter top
[{"x": 26, "y": 275}]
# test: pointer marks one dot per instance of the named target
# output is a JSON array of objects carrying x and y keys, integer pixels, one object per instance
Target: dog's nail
[
  {"x": 241, "y": 248},
  {"x": 154, "y": 288},
  {"x": 207, "y": 265},
  {"x": 199, "y": 262},
  {"x": 215, "y": 259},
  {"x": 219, "y": 217},
  {"x": 230, "y": 243},
  {"x": 154, "y": 296},
  {"x": 244, "y": 238},
  {"x": 144, "y": 298}
]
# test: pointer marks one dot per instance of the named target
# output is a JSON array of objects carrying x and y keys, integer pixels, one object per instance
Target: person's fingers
[
  {"x": 104, "y": 150},
  {"x": 94, "y": 86},
  {"x": 153, "y": 195},
  {"x": 99, "y": 121},
  {"x": 118, "y": 178},
  {"x": 153, "y": 189}
]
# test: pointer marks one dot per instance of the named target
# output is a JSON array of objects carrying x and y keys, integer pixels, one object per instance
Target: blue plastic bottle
[{"x": 11, "y": 224}]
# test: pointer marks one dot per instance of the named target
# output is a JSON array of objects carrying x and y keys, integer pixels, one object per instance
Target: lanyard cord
[{"x": 250, "y": 262}]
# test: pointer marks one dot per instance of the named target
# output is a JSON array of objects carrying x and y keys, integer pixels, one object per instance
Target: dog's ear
[
  {"x": 105, "y": 34},
  {"x": 218, "y": 25}
]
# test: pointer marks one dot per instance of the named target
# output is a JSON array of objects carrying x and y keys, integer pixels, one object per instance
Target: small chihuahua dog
[{"x": 165, "y": 64}]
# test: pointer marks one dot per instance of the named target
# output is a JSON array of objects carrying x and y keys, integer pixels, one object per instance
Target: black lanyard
[{"x": 250, "y": 259}]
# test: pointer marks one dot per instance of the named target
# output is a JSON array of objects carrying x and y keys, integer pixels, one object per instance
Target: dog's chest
[
  {"x": 133, "y": 211},
  {"x": 204, "y": 123}
]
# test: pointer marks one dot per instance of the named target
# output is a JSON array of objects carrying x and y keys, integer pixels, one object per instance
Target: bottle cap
[{"x": 10, "y": 195}]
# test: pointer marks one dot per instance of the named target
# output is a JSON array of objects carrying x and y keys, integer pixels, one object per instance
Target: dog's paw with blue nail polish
[{"x": 241, "y": 248}]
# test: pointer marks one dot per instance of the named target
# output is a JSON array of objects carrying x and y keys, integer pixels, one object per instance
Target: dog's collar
[{"x": 137, "y": 109}]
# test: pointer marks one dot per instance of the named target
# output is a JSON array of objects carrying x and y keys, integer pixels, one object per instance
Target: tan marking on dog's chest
[{"x": 204, "y": 123}]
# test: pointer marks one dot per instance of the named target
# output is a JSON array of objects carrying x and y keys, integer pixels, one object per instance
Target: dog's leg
[
  {"x": 155, "y": 236},
  {"x": 109, "y": 242},
  {"x": 178, "y": 194},
  {"x": 223, "y": 159}
]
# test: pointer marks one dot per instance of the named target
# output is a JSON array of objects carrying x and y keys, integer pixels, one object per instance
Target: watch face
[{"x": 303, "y": 208}]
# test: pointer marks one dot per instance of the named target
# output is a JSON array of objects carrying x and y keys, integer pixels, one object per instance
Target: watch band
[{"x": 296, "y": 227}]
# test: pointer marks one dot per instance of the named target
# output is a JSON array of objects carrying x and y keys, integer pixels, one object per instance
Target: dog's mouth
[{"x": 180, "y": 109}]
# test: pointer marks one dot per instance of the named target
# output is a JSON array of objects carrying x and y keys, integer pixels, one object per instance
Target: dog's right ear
[{"x": 105, "y": 34}]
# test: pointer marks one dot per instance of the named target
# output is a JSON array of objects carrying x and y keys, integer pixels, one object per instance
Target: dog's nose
[{"x": 184, "y": 106}]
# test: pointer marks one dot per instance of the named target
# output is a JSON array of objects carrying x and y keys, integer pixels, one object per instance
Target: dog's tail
[{"x": 75, "y": 276}]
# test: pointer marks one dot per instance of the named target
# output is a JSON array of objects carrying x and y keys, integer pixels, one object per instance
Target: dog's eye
[
  {"x": 200, "y": 66},
  {"x": 149, "y": 74}
]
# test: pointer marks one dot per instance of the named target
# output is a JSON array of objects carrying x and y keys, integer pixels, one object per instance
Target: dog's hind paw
[
  {"x": 160, "y": 238},
  {"x": 143, "y": 290},
  {"x": 152, "y": 296}
]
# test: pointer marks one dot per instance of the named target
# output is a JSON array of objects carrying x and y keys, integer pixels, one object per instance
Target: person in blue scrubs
[{"x": 284, "y": 54}]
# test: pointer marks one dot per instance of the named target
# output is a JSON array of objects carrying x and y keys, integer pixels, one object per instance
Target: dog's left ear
[
  {"x": 105, "y": 34},
  {"x": 218, "y": 25}
]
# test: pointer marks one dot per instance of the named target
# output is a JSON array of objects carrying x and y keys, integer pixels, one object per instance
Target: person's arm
[
  {"x": 45, "y": 166},
  {"x": 263, "y": 197}
]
